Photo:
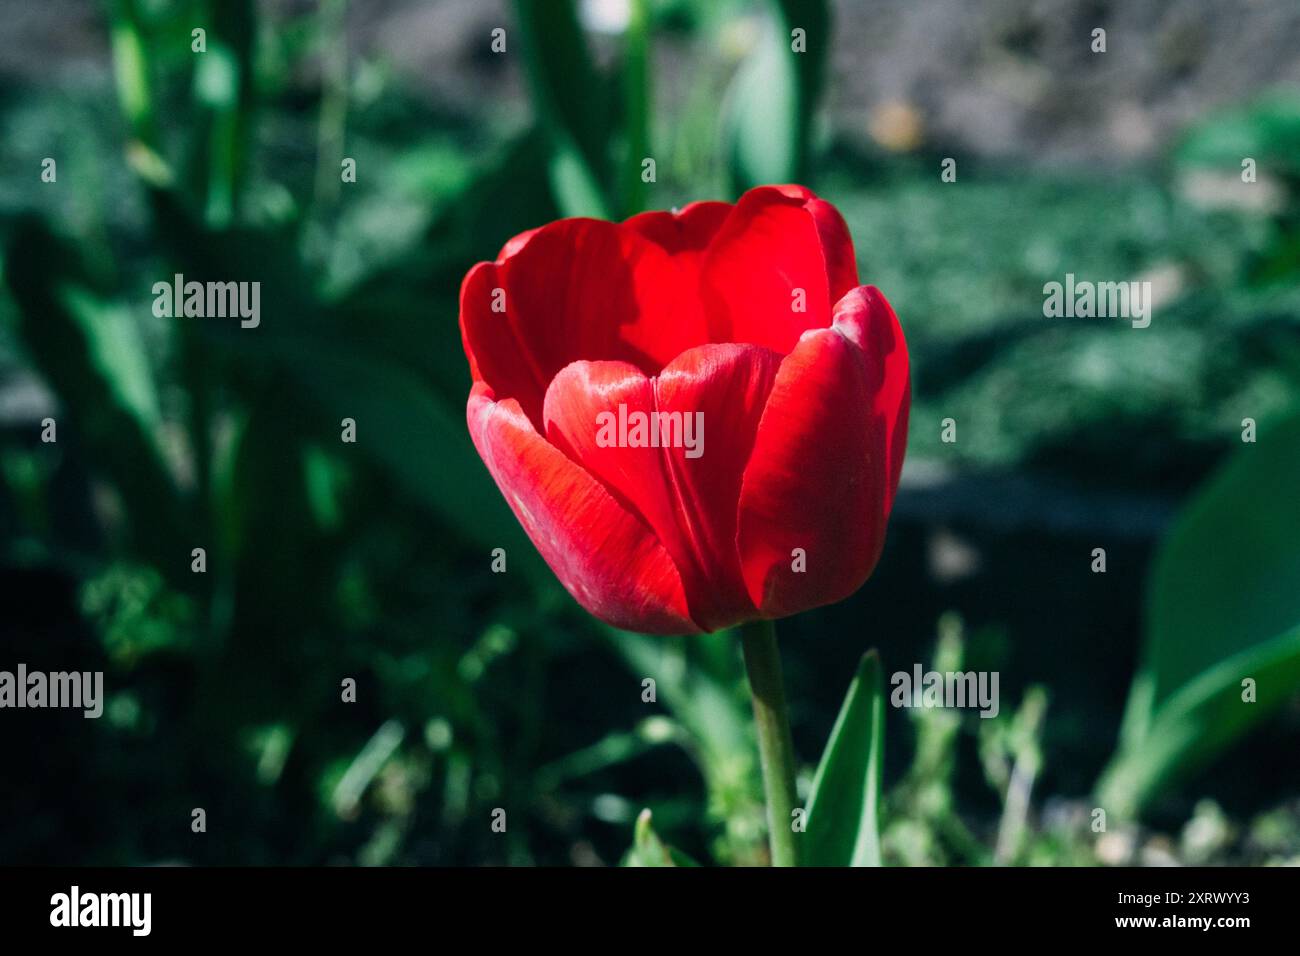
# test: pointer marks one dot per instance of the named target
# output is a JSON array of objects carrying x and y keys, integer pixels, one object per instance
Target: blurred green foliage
[
  {"x": 1223, "y": 650},
  {"x": 328, "y": 562}
]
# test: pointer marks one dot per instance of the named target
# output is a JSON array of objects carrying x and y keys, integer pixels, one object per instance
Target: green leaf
[
  {"x": 92, "y": 357},
  {"x": 116, "y": 347},
  {"x": 774, "y": 95},
  {"x": 648, "y": 850},
  {"x": 411, "y": 434},
  {"x": 1228, "y": 575},
  {"x": 571, "y": 101},
  {"x": 1200, "y": 721},
  {"x": 843, "y": 827},
  {"x": 573, "y": 183},
  {"x": 1223, "y": 606}
]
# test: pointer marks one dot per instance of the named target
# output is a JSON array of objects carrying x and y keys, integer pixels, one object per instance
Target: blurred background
[{"x": 371, "y": 561}]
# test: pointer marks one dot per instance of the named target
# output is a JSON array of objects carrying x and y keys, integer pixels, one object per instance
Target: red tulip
[{"x": 749, "y": 322}]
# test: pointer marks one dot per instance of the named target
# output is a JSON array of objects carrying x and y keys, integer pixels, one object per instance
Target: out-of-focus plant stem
[
  {"x": 223, "y": 87},
  {"x": 636, "y": 84},
  {"x": 1028, "y": 763},
  {"x": 775, "y": 745},
  {"x": 134, "y": 94},
  {"x": 334, "y": 102}
]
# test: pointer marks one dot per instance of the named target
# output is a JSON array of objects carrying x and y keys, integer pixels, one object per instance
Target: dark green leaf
[
  {"x": 422, "y": 445},
  {"x": 570, "y": 100},
  {"x": 91, "y": 356},
  {"x": 1224, "y": 605},
  {"x": 843, "y": 827}
]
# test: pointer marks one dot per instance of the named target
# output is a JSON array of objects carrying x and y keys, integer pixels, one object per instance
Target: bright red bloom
[{"x": 804, "y": 409}]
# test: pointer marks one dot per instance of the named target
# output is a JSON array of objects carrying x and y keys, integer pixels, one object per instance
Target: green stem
[{"x": 775, "y": 746}]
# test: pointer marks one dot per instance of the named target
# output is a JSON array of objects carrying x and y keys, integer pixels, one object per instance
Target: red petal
[
  {"x": 561, "y": 292},
  {"x": 777, "y": 240},
  {"x": 494, "y": 352},
  {"x": 666, "y": 271},
  {"x": 690, "y": 502},
  {"x": 836, "y": 241},
  {"x": 649, "y": 289},
  {"x": 603, "y": 554},
  {"x": 687, "y": 231},
  {"x": 826, "y": 461},
  {"x": 584, "y": 289}
]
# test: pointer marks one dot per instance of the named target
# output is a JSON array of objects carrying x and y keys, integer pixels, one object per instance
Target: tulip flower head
[{"x": 699, "y": 417}]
